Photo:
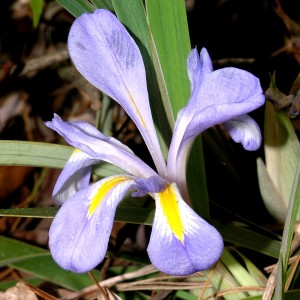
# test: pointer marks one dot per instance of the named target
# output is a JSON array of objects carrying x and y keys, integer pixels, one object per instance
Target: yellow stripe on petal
[
  {"x": 170, "y": 208},
  {"x": 75, "y": 152},
  {"x": 102, "y": 192},
  {"x": 136, "y": 109}
]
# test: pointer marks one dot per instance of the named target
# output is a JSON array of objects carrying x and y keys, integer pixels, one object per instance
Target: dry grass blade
[
  {"x": 271, "y": 284},
  {"x": 100, "y": 288},
  {"x": 162, "y": 283},
  {"x": 206, "y": 285},
  {"x": 235, "y": 290},
  {"x": 293, "y": 271},
  {"x": 40, "y": 293},
  {"x": 159, "y": 285},
  {"x": 273, "y": 277},
  {"x": 92, "y": 290},
  {"x": 269, "y": 269}
]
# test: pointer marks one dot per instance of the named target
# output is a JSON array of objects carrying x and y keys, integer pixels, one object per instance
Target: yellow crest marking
[
  {"x": 102, "y": 191},
  {"x": 75, "y": 151},
  {"x": 171, "y": 211}
]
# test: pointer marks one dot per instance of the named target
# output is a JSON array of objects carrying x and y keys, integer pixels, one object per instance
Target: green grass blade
[
  {"x": 222, "y": 280},
  {"x": 239, "y": 236},
  {"x": 292, "y": 295},
  {"x": 288, "y": 232},
  {"x": 32, "y": 212},
  {"x": 39, "y": 263},
  {"x": 78, "y": 7},
  {"x": 255, "y": 272},
  {"x": 37, "y": 9},
  {"x": 104, "y": 118},
  {"x": 13, "y": 251},
  {"x": 35, "y": 154},
  {"x": 282, "y": 151},
  {"x": 185, "y": 295},
  {"x": 169, "y": 27},
  {"x": 241, "y": 275},
  {"x": 20, "y": 153},
  {"x": 248, "y": 238},
  {"x": 124, "y": 214},
  {"x": 103, "y": 4}
]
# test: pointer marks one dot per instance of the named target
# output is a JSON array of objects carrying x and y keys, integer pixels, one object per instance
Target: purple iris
[{"x": 181, "y": 242}]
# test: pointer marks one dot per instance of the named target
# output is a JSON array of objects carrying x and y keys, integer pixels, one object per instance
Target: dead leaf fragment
[{"x": 18, "y": 292}]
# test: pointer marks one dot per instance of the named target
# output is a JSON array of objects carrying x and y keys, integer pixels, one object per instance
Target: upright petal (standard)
[{"x": 216, "y": 97}]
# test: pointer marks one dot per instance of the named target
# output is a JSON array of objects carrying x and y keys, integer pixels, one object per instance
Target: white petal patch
[
  {"x": 74, "y": 176},
  {"x": 244, "y": 130}
]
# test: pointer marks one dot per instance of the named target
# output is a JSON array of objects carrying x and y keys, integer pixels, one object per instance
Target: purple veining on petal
[
  {"x": 244, "y": 130},
  {"x": 89, "y": 140},
  {"x": 79, "y": 243},
  {"x": 107, "y": 56}
]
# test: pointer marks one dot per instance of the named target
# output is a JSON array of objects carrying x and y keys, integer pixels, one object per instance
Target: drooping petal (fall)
[
  {"x": 107, "y": 56},
  {"x": 88, "y": 139},
  {"x": 80, "y": 231},
  {"x": 181, "y": 242},
  {"x": 244, "y": 130}
]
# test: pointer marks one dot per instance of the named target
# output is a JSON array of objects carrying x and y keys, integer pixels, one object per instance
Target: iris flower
[{"x": 181, "y": 242}]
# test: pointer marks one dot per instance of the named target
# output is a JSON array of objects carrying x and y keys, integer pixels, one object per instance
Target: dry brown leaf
[{"x": 18, "y": 292}]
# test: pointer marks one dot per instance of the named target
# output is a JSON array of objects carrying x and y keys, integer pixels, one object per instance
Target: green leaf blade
[
  {"x": 78, "y": 7},
  {"x": 169, "y": 27}
]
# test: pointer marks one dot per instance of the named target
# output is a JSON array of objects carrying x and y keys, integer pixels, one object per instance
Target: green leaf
[
  {"x": 185, "y": 295},
  {"x": 19, "y": 153},
  {"x": 292, "y": 295},
  {"x": 237, "y": 235},
  {"x": 256, "y": 274},
  {"x": 288, "y": 232},
  {"x": 104, "y": 117},
  {"x": 34, "y": 212},
  {"x": 282, "y": 151},
  {"x": 13, "y": 251},
  {"x": 222, "y": 280},
  {"x": 169, "y": 27},
  {"x": 6, "y": 284},
  {"x": 240, "y": 274},
  {"x": 78, "y": 7},
  {"x": 39, "y": 263},
  {"x": 103, "y": 4},
  {"x": 123, "y": 214},
  {"x": 37, "y": 9},
  {"x": 248, "y": 238}
]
